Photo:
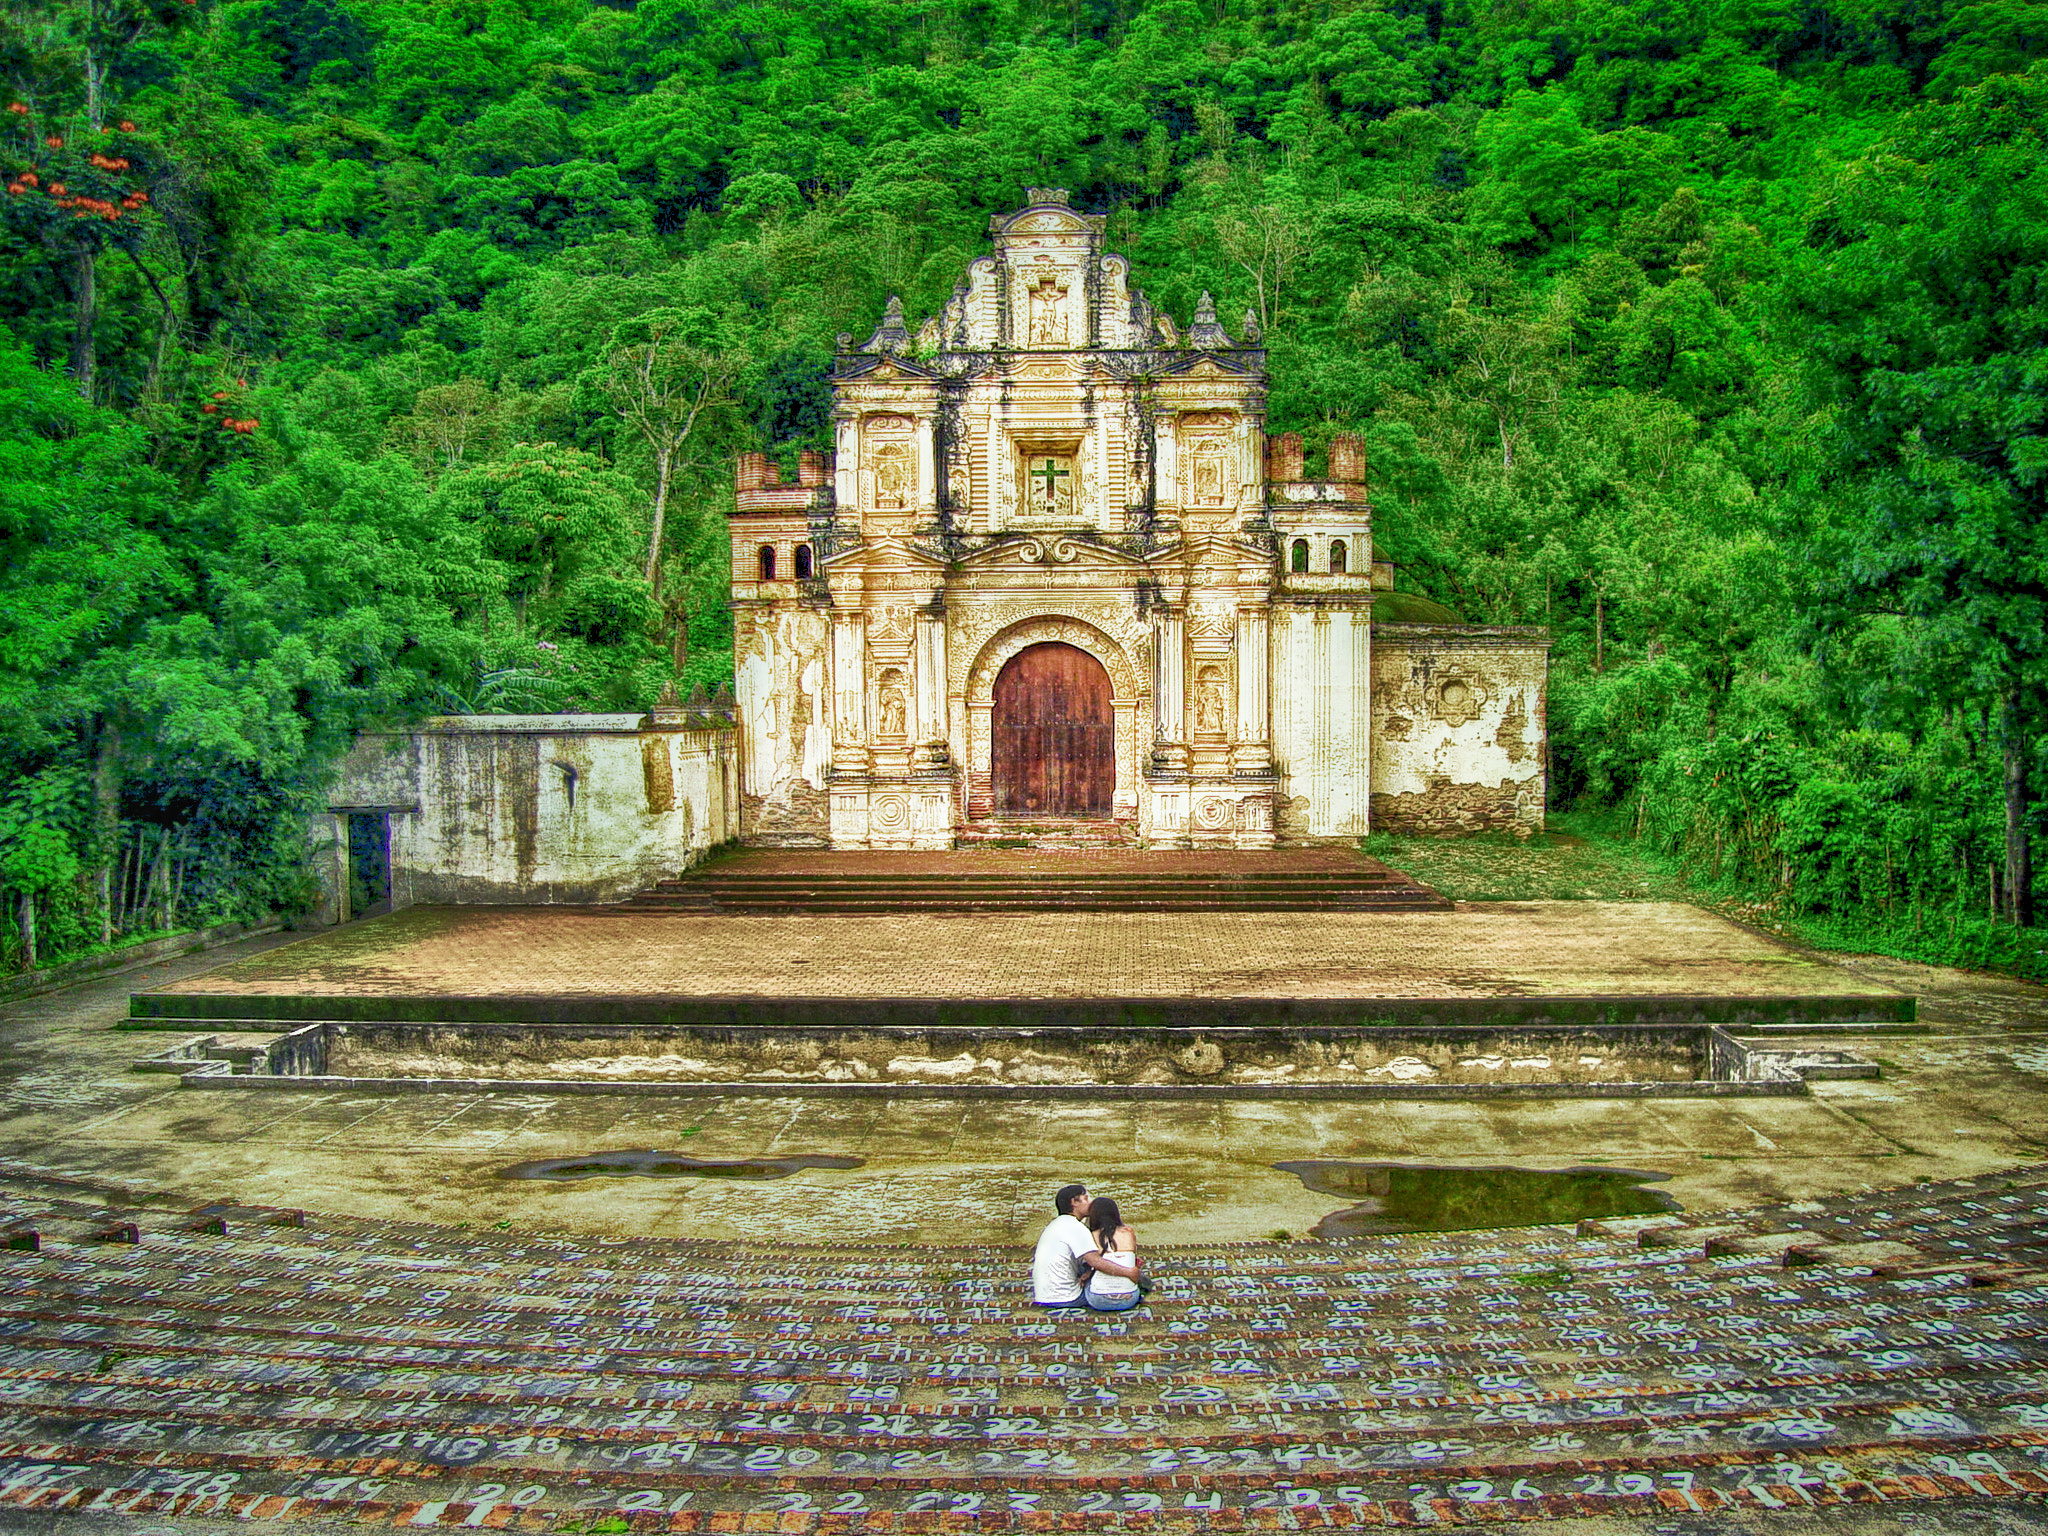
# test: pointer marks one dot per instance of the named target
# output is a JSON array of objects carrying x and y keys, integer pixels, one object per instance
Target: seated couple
[{"x": 1087, "y": 1257}]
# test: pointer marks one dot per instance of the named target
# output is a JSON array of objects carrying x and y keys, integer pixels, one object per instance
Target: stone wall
[
  {"x": 782, "y": 680},
  {"x": 1321, "y": 670},
  {"x": 1458, "y": 728},
  {"x": 532, "y": 808}
]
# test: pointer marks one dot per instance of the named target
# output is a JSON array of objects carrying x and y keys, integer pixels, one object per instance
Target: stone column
[
  {"x": 849, "y": 692},
  {"x": 927, "y": 466},
  {"x": 846, "y": 469},
  {"x": 1169, "y": 691},
  {"x": 929, "y": 662},
  {"x": 1252, "y": 754}
]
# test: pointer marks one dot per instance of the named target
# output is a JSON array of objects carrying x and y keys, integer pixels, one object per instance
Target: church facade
[{"x": 1055, "y": 581}]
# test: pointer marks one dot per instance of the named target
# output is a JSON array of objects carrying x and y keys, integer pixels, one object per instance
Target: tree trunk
[
  {"x": 84, "y": 296},
  {"x": 663, "y": 457},
  {"x": 1599, "y": 630},
  {"x": 153, "y": 881},
  {"x": 2019, "y": 875},
  {"x": 106, "y": 796},
  {"x": 28, "y": 928}
]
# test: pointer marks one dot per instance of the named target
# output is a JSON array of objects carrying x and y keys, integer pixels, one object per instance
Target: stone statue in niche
[
  {"x": 1048, "y": 312},
  {"x": 892, "y": 476},
  {"x": 1209, "y": 702},
  {"x": 956, "y": 489},
  {"x": 1206, "y": 474},
  {"x": 895, "y": 710}
]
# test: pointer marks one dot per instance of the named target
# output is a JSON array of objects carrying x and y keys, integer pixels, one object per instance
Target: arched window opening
[
  {"x": 767, "y": 562},
  {"x": 803, "y": 562},
  {"x": 1301, "y": 557},
  {"x": 1337, "y": 553}
]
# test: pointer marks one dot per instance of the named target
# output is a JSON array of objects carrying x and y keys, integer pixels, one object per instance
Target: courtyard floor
[
  {"x": 1544, "y": 948},
  {"x": 1969, "y": 1096}
]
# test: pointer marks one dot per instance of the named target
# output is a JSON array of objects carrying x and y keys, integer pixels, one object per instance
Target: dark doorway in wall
[{"x": 369, "y": 863}]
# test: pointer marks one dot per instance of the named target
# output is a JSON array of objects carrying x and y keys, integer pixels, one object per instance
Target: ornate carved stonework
[
  {"x": 991, "y": 657},
  {"x": 1049, "y": 459}
]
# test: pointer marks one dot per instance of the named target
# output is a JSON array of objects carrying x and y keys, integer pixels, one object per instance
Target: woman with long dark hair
[{"x": 1114, "y": 1289}]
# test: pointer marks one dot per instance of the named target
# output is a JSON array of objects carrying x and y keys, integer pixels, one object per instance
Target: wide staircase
[
  {"x": 253, "y": 1364},
  {"x": 995, "y": 880}
]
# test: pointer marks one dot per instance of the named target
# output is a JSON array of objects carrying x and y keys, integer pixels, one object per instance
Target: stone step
[{"x": 405, "y": 1374}]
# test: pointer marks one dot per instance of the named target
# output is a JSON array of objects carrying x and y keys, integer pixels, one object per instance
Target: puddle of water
[
  {"x": 650, "y": 1164},
  {"x": 1401, "y": 1197}
]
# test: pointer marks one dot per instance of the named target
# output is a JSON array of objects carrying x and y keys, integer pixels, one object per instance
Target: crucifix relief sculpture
[{"x": 1048, "y": 312}]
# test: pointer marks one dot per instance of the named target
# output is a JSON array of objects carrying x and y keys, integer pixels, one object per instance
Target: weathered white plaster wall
[
  {"x": 534, "y": 808},
  {"x": 1458, "y": 728},
  {"x": 782, "y": 682},
  {"x": 1321, "y": 692}
]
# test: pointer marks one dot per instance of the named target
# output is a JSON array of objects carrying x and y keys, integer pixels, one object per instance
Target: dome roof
[{"x": 1410, "y": 608}]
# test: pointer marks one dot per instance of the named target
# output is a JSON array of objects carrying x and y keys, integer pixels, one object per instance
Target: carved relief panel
[
  {"x": 1049, "y": 484},
  {"x": 1208, "y": 460},
  {"x": 1045, "y": 305},
  {"x": 889, "y": 463}
]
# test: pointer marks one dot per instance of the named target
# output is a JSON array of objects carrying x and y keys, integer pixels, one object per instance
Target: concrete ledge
[
  {"x": 187, "y": 942},
  {"x": 183, "y": 1010},
  {"x": 218, "y": 1077}
]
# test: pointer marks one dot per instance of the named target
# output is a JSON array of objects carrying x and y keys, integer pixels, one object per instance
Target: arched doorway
[{"x": 1054, "y": 734}]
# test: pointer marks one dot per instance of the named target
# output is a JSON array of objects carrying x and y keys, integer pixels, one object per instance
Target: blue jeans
[{"x": 1111, "y": 1303}]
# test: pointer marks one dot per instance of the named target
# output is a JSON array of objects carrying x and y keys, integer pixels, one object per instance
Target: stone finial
[
  {"x": 1038, "y": 196},
  {"x": 1253, "y": 333},
  {"x": 1347, "y": 457},
  {"x": 699, "y": 699},
  {"x": 844, "y": 340},
  {"x": 891, "y": 336},
  {"x": 1284, "y": 457},
  {"x": 1169, "y": 333},
  {"x": 667, "y": 713},
  {"x": 1205, "y": 333}
]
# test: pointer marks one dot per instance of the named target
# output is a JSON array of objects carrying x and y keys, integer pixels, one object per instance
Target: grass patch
[
  {"x": 1571, "y": 861},
  {"x": 1590, "y": 857}
]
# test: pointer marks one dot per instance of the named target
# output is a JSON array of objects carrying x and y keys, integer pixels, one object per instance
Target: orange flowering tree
[{"x": 77, "y": 169}]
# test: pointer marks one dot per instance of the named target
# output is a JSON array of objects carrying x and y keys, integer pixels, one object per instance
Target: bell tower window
[{"x": 767, "y": 562}]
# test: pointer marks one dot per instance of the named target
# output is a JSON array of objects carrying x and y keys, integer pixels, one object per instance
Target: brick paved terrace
[{"x": 1484, "y": 950}]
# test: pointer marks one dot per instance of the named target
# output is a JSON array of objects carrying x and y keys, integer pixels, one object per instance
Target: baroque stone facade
[{"x": 1055, "y": 573}]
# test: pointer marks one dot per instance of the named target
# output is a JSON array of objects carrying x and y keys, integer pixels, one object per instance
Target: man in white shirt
[{"x": 1066, "y": 1252}]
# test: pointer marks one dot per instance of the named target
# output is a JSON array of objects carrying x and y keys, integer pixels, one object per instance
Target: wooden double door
[{"x": 1054, "y": 734}]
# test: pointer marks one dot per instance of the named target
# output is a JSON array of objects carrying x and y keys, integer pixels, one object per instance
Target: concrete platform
[{"x": 1968, "y": 1098}]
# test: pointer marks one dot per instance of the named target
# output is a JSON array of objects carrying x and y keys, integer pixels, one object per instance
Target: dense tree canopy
[{"x": 370, "y": 357}]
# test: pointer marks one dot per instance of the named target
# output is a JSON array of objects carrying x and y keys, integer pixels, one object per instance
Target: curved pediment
[{"x": 1050, "y": 551}]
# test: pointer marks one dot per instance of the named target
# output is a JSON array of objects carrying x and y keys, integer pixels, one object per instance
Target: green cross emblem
[{"x": 1051, "y": 474}]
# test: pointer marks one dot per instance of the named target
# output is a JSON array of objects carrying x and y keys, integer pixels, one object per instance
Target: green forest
[{"x": 369, "y": 359}]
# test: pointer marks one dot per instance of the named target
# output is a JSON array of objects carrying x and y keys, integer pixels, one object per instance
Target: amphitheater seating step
[
  {"x": 992, "y": 882},
  {"x": 234, "y": 1367}
]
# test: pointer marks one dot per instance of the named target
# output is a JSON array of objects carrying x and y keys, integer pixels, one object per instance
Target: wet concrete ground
[{"x": 1970, "y": 1096}]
